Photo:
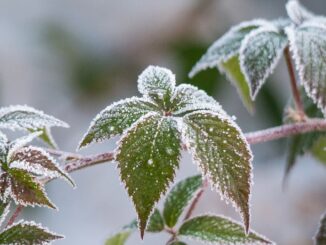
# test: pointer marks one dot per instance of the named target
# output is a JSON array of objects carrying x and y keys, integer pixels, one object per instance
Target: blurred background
[{"x": 73, "y": 58}]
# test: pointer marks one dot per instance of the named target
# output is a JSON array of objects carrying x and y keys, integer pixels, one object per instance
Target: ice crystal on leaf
[
  {"x": 149, "y": 150},
  {"x": 25, "y": 233},
  {"x": 20, "y": 168},
  {"x": 29, "y": 119},
  {"x": 219, "y": 230},
  {"x": 297, "y": 12}
]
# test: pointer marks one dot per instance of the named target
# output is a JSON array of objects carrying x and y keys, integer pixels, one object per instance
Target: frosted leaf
[
  {"x": 219, "y": 230},
  {"x": 4, "y": 210},
  {"x": 3, "y": 147},
  {"x": 21, "y": 142},
  {"x": 308, "y": 45},
  {"x": 179, "y": 197},
  {"x": 37, "y": 161},
  {"x": 25, "y": 117},
  {"x": 25, "y": 190},
  {"x": 223, "y": 156},
  {"x": 158, "y": 84},
  {"x": 189, "y": 98},
  {"x": 297, "y": 12},
  {"x": 4, "y": 187},
  {"x": 231, "y": 68},
  {"x": 260, "y": 52},
  {"x": 145, "y": 183},
  {"x": 26, "y": 233},
  {"x": 117, "y": 117},
  {"x": 320, "y": 237},
  {"x": 227, "y": 46}
]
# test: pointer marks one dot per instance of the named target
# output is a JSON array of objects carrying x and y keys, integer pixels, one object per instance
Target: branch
[
  {"x": 285, "y": 131},
  {"x": 79, "y": 162},
  {"x": 293, "y": 83},
  {"x": 15, "y": 214}
]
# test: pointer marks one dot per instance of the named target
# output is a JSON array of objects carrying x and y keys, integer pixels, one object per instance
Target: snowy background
[{"x": 72, "y": 58}]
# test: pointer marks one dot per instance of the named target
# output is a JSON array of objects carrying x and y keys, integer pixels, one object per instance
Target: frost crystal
[
  {"x": 227, "y": 46},
  {"x": 24, "y": 117},
  {"x": 308, "y": 44},
  {"x": 297, "y": 12},
  {"x": 259, "y": 54}
]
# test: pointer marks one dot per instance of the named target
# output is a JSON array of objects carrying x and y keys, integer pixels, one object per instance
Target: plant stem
[
  {"x": 293, "y": 83},
  {"x": 286, "y": 130},
  {"x": 196, "y": 200},
  {"x": 261, "y": 136},
  {"x": 15, "y": 214}
]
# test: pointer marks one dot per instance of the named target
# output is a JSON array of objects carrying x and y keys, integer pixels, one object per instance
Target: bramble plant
[{"x": 167, "y": 119}]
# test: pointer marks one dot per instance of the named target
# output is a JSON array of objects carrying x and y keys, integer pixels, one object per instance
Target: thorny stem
[
  {"x": 80, "y": 162},
  {"x": 293, "y": 83}
]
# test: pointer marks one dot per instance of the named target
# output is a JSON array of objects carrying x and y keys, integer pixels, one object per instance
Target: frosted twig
[
  {"x": 260, "y": 136},
  {"x": 14, "y": 216},
  {"x": 293, "y": 83}
]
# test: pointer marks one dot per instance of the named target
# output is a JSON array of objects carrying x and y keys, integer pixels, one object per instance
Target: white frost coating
[
  {"x": 224, "y": 242},
  {"x": 156, "y": 80},
  {"x": 209, "y": 176},
  {"x": 3, "y": 138},
  {"x": 129, "y": 110},
  {"x": 225, "y": 47},
  {"x": 37, "y": 226},
  {"x": 25, "y": 117},
  {"x": 4, "y": 213},
  {"x": 117, "y": 151},
  {"x": 21, "y": 142},
  {"x": 308, "y": 49},
  {"x": 255, "y": 65},
  {"x": 37, "y": 161},
  {"x": 297, "y": 12},
  {"x": 187, "y": 97}
]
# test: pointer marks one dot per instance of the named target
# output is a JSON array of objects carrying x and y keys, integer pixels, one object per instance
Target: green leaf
[
  {"x": 156, "y": 222},
  {"x": 232, "y": 70},
  {"x": 179, "y": 197},
  {"x": 46, "y": 136},
  {"x": 148, "y": 156},
  {"x": 223, "y": 155},
  {"x": 187, "y": 98},
  {"x": 318, "y": 149},
  {"x": 219, "y": 230},
  {"x": 297, "y": 12},
  {"x": 260, "y": 52},
  {"x": 320, "y": 237},
  {"x": 227, "y": 46},
  {"x": 114, "y": 119},
  {"x": 308, "y": 44},
  {"x": 119, "y": 238},
  {"x": 158, "y": 84},
  {"x": 26, "y": 191},
  {"x": 177, "y": 243},
  {"x": 39, "y": 162},
  {"x": 25, "y": 117},
  {"x": 26, "y": 233}
]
